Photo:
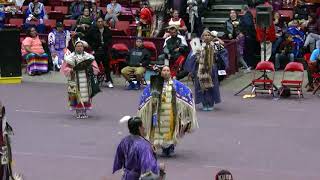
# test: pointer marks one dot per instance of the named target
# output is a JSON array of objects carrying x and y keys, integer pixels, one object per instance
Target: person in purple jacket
[{"x": 136, "y": 156}]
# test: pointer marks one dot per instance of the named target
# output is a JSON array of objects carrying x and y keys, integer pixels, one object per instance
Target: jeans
[
  {"x": 113, "y": 17},
  {"x": 278, "y": 56},
  {"x": 311, "y": 40},
  {"x": 276, "y": 44}
]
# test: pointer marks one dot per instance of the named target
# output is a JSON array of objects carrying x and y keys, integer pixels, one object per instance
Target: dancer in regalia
[
  {"x": 135, "y": 155},
  {"x": 81, "y": 68},
  {"x": 167, "y": 110}
]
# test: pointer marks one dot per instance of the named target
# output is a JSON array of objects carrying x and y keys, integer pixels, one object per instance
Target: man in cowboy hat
[{"x": 174, "y": 47}]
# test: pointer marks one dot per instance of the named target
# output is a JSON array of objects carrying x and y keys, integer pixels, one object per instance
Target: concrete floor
[{"x": 259, "y": 138}]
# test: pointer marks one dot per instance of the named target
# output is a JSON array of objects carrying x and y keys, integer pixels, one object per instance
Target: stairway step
[
  {"x": 217, "y": 14},
  {"x": 235, "y": 2},
  {"x": 214, "y": 27},
  {"x": 215, "y": 20},
  {"x": 226, "y": 7}
]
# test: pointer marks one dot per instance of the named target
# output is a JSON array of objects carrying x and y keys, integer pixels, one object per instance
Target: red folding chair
[
  {"x": 263, "y": 84},
  {"x": 47, "y": 8},
  {"x": 152, "y": 49},
  {"x": 16, "y": 22},
  {"x": 295, "y": 85},
  {"x": 68, "y": 23},
  {"x": 122, "y": 26},
  {"x": 49, "y": 23},
  {"x": 62, "y": 9},
  {"x": 116, "y": 61},
  {"x": 176, "y": 67}
]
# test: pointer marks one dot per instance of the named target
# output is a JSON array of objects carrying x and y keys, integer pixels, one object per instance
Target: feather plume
[
  {"x": 124, "y": 119},
  {"x": 17, "y": 176},
  {"x": 195, "y": 45}
]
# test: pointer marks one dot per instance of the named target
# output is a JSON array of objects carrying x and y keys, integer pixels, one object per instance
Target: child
[{"x": 286, "y": 50}]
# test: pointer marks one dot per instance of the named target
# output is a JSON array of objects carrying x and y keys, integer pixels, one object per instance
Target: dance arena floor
[{"x": 256, "y": 139}]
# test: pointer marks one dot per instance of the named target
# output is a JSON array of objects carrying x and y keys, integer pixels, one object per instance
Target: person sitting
[
  {"x": 232, "y": 25},
  {"x": 145, "y": 21},
  {"x": 139, "y": 58},
  {"x": 178, "y": 22},
  {"x": 33, "y": 52},
  {"x": 314, "y": 65},
  {"x": 76, "y": 9},
  {"x": 174, "y": 47},
  {"x": 113, "y": 11},
  {"x": 297, "y": 35},
  {"x": 58, "y": 41},
  {"x": 280, "y": 27},
  {"x": 96, "y": 12},
  {"x": 35, "y": 15},
  {"x": 286, "y": 51},
  {"x": 313, "y": 30},
  {"x": 84, "y": 22}
]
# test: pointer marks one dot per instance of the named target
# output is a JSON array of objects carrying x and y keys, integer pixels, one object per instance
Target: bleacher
[{"x": 125, "y": 29}]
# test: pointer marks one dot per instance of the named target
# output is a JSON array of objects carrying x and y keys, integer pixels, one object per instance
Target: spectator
[
  {"x": 58, "y": 41},
  {"x": 286, "y": 51},
  {"x": 33, "y": 52},
  {"x": 240, "y": 49},
  {"x": 276, "y": 5},
  {"x": 84, "y": 23},
  {"x": 314, "y": 65},
  {"x": 96, "y": 12},
  {"x": 113, "y": 11},
  {"x": 35, "y": 15},
  {"x": 76, "y": 9},
  {"x": 280, "y": 28},
  {"x": 224, "y": 175},
  {"x": 313, "y": 30},
  {"x": 174, "y": 46},
  {"x": 99, "y": 38},
  {"x": 195, "y": 22},
  {"x": 2, "y": 17},
  {"x": 179, "y": 5},
  {"x": 247, "y": 26},
  {"x": 294, "y": 29},
  {"x": 301, "y": 11},
  {"x": 145, "y": 20},
  {"x": 232, "y": 25},
  {"x": 139, "y": 59},
  {"x": 175, "y": 20}
]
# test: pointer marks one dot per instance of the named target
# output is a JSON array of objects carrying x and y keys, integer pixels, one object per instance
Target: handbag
[{"x": 95, "y": 88}]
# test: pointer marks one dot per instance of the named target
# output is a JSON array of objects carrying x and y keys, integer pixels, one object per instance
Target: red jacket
[
  {"x": 146, "y": 15},
  {"x": 270, "y": 35}
]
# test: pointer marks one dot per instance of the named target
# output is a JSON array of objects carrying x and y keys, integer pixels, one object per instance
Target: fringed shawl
[
  {"x": 206, "y": 60},
  {"x": 185, "y": 118}
]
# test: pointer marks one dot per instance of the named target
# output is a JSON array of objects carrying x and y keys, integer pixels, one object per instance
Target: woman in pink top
[{"x": 33, "y": 53}]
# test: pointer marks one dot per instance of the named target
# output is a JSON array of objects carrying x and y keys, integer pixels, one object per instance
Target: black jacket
[
  {"x": 247, "y": 25},
  {"x": 93, "y": 38}
]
